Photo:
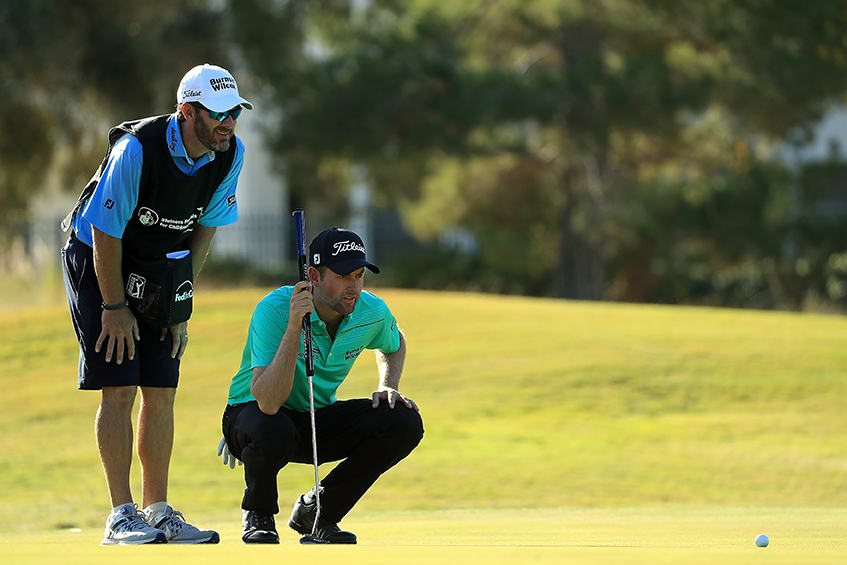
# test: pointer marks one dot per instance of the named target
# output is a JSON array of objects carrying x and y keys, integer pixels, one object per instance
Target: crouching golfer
[{"x": 266, "y": 422}]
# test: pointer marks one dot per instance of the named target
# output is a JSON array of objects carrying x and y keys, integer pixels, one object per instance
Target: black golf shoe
[
  {"x": 303, "y": 517},
  {"x": 258, "y": 528}
]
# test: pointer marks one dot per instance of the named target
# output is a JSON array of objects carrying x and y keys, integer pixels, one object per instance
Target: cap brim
[
  {"x": 227, "y": 103},
  {"x": 349, "y": 265}
]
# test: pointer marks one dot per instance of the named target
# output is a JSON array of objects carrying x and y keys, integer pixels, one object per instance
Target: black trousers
[{"x": 368, "y": 440}]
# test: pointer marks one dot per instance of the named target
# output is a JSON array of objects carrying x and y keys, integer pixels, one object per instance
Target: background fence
[{"x": 259, "y": 243}]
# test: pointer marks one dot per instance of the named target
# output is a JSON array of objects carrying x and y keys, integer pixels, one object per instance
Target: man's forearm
[
  {"x": 391, "y": 366},
  {"x": 272, "y": 384},
  {"x": 199, "y": 244},
  {"x": 108, "y": 254}
]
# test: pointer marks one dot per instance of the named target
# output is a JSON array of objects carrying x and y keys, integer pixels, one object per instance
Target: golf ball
[{"x": 762, "y": 540}]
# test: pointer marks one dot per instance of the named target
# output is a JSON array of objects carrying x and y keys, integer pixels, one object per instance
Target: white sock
[
  {"x": 156, "y": 507},
  {"x": 117, "y": 509}
]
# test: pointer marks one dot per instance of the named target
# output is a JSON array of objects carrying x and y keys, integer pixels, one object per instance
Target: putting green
[
  {"x": 589, "y": 433},
  {"x": 676, "y": 535}
]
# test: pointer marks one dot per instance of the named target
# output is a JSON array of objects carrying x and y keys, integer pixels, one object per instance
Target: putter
[{"x": 300, "y": 225}]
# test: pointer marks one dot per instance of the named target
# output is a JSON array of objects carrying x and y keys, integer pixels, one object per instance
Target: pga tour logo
[
  {"x": 184, "y": 292},
  {"x": 135, "y": 286},
  {"x": 147, "y": 217}
]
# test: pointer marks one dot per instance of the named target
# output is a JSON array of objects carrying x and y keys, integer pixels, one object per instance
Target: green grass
[
  {"x": 656, "y": 412},
  {"x": 667, "y": 535}
]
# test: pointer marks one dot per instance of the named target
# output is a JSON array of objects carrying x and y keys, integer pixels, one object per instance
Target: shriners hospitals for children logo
[{"x": 147, "y": 217}]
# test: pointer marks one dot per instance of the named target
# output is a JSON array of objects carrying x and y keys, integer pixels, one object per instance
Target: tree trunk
[{"x": 579, "y": 271}]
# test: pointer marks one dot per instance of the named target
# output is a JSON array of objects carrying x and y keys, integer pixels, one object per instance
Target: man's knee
[
  {"x": 118, "y": 398},
  {"x": 406, "y": 426},
  {"x": 268, "y": 438},
  {"x": 158, "y": 398}
]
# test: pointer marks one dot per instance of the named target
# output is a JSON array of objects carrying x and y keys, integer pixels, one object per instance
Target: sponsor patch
[
  {"x": 135, "y": 286},
  {"x": 173, "y": 141},
  {"x": 223, "y": 82},
  {"x": 184, "y": 291},
  {"x": 147, "y": 217},
  {"x": 353, "y": 353},
  {"x": 343, "y": 246}
]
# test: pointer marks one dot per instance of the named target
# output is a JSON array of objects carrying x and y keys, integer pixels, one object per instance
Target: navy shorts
[{"x": 152, "y": 365}]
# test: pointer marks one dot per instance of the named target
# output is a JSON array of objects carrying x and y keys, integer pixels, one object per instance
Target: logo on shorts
[
  {"x": 135, "y": 286},
  {"x": 184, "y": 291},
  {"x": 230, "y": 200},
  {"x": 147, "y": 217},
  {"x": 109, "y": 204}
]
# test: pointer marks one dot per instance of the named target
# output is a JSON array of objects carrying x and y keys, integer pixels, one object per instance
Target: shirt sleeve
[
  {"x": 223, "y": 209},
  {"x": 387, "y": 339},
  {"x": 111, "y": 205},
  {"x": 266, "y": 330}
]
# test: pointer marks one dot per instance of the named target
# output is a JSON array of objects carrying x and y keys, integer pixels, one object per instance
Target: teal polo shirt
[{"x": 370, "y": 326}]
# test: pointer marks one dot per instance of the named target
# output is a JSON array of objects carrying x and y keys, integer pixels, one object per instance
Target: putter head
[{"x": 309, "y": 539}]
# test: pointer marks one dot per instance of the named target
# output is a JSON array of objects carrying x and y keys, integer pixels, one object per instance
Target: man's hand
[
  {"x": 392, "y": 396},
  {"x": 179, "y": 333},
  {"x": 226, "y": 456},
  {"x": 119, "y": 327},
  {"x": 301, "y": 303}
]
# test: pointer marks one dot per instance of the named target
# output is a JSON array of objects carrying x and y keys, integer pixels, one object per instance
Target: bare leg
[
  {"x": 113, "y": 430},
  {"x": 155, "y": 442}
]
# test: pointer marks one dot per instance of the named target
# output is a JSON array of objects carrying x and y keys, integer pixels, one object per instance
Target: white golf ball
[{"x": 762, "y": 540}]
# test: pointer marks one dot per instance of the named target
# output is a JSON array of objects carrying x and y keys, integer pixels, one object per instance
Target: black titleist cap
[{"x": 339, "y": 249}]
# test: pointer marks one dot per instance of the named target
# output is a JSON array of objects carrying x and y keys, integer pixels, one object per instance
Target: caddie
[{"x": 141, "y": 231}]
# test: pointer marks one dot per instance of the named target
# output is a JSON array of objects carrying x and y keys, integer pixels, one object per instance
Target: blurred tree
[
  {"x": 573, "y": 137},
  {"x": 70, "y": 70}
]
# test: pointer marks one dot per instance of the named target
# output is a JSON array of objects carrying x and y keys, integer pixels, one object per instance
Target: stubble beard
[
  {"x": 342, "y": 308},
  {"x": 206, "y": 136}
]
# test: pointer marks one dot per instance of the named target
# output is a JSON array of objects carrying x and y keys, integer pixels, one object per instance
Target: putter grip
[{"x": 300, "y": 227}]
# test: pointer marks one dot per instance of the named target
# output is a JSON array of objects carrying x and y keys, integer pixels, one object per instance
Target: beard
[
  {"x": 206, "y": 136},
  {"x": 342, "y": 307}
]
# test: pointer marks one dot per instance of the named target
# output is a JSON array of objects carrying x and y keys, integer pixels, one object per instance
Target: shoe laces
[
  {"x": 262, "y": 521},
  {"x": 130, "y": 522},
  {"x": 174, "y": 520}
]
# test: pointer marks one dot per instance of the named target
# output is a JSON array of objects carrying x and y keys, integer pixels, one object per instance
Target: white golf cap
[{"x": 213, "y": 87}]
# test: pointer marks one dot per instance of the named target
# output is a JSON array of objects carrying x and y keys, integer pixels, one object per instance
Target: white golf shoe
[
  {"x": 177, "y": 530},
  {"x": 127, "y": 526}
]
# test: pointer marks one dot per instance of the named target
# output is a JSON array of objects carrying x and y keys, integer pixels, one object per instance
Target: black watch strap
[{"x": 116, "y": 306}]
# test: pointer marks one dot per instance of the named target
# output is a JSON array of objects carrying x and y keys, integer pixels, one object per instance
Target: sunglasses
[{"x": 220, "y": 116}]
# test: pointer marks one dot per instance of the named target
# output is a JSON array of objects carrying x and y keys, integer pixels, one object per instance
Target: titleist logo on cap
[{"x": 342, "y": 246}]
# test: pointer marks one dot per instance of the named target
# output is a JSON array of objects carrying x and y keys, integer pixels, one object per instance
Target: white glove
[{"x": 226, "y": 456}]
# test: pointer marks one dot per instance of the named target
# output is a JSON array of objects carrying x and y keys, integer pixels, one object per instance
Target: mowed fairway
[{"x": 556, "y": 431}]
